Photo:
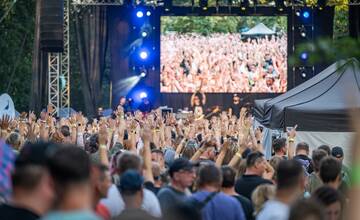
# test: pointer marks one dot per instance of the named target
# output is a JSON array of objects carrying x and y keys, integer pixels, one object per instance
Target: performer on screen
[{"x": 198, "y": 101}]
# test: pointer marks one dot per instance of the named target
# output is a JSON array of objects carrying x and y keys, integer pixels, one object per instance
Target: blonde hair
[{"x": 262, "y": 194}]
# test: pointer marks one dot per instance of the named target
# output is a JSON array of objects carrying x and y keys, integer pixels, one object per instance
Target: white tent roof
[{"x": 259, "y": 29}]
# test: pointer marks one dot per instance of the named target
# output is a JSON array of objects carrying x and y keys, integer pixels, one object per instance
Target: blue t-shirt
[
  {"x": 220, "y": 207},
  {"x": 76, "y": 215}
]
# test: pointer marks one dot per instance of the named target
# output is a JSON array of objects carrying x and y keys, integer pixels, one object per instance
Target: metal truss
[
  {"x": 354, "y": 2},
  {"x": 53, "y": 79},
  {"x": 59, "y": 71},
  {"x": 98, "y": 2},
  {"x": 65, "y": 62}
]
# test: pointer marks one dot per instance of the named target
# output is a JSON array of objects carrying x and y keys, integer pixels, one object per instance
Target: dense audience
[
  {"x": 223, "y": 63},
  {"x": 153, "y": 166}
]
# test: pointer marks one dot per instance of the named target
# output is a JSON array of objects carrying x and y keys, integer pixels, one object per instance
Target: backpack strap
[{"x": 202, "y": 204}]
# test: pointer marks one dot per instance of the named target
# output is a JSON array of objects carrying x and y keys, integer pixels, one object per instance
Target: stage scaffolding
[{"x": 59, "y": 63}]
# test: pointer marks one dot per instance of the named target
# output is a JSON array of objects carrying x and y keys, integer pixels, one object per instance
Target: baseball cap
[
  {"x": 131, "y": 181},
  {"x": 337, "y": 152},
  {"x": 35, "y": 154},
  {"x": 180, "y": 164}
]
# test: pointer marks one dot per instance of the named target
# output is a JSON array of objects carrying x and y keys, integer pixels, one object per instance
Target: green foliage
[
  {"x": 17, "y": 29},
  {"x": 341, "y": 27},
  {"x": 218, "y": 24}
]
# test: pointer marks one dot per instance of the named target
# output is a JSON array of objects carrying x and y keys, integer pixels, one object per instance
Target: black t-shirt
[
  {"x": 305, "y": 161},
  {"x": 150, "y": 186},
  {"x": 236, "y": 109},
  {"x": 246, "y": 184},
  {"x": 8, "y": 212},
  {"x": 246, "y": 205}
]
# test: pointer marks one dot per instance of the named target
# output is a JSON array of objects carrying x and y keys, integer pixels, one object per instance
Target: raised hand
[{"x": 5, "y": 122}]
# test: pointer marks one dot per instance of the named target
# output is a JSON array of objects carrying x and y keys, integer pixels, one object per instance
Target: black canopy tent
[{"x": 319, "y": 104}]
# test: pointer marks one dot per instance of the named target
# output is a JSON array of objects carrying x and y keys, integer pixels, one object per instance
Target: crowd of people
[
  {"x": 154, "y": 166},
  {"x": 223, "y": 63}
]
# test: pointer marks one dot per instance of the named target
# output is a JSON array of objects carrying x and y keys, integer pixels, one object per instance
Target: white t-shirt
[
  {"x": 115, "y": 204},
  {"x": 274, "y": 210}
]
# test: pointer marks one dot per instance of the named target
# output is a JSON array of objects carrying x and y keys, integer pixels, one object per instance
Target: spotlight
[
  {"x": 167, "y": 5},
  {"x": 145, "y": 30},
  {"x": 302, "y": 31},
  {"x": 321, "y": 4},
  {"x": 306, "y": 14},
  {"x": 204, "y": 4},
  {"x": 303, "y": 72},
  {"x": 143, "y": 95},
  {"x": 244, "y": 4},
  {"x": 280, "y": 5},
  {"x": 143, "y": 54},
  {"x": 304, "y": 56},
  {"x": 148, "y": 13},
  {"x": 144, "y": 34},
  {"x": 142, "y": 74},
  {"x": 139, "y": 14},
  {"x": 298, "y": 13}
]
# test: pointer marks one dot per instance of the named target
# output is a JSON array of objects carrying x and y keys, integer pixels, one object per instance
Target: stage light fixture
[
  {"x": 167, "y": 5},
  {"x": 306, "y": 14},
  {"x": 204, "y": 4},
  {"x": 144, "y": 54},
  {"x": 148, "y": 13},
  {"x": 143, "y": 74},
  {"x": 244, "y": 4},
  {"x": 144, "y": 34},
  {"x": 302, "y": 31},
  {"x": 139, "y": 14},
  {"x": 304, "y": 56},
  {"x": 143, "y": 95},
  {"x": 321, "y": 4},
  {"x": 303, "y": 74},
  {"x": 298, "y": 12},
  {"x": 280, "y": 5}
]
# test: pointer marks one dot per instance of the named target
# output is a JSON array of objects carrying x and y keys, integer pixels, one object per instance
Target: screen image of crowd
[
  {"x": 223, "y": 63},
  {"x": 149, "y": 165}
]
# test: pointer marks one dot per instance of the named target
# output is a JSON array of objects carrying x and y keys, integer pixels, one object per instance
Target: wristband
[
  {"x": 238, "y": 155},
  {"x": 291, "y": 140},
  {"x": 102, "y": 146}
]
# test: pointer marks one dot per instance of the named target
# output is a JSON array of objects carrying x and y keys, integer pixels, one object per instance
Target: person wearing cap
[
  {"x": 182, "y": 176},
  {"x": 32, "y": 194},
  {"x": 338, "y": 153},
  {"x": 131, "y": 189}
]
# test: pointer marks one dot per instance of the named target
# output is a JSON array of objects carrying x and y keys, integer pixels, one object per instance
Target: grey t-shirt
[{"x": 169, "y": 197}]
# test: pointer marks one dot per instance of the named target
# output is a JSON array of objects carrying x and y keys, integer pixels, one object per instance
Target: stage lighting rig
[
  {"x": 321, "y": 4},
  {"x": 302, "y": 31},
  {"x": 167, "y": 5},
  {"x": 144, "y": 54},
  {"x": 204, "y": 4},
  {"x": 280, "y": 5},
  {"x": 304, "y": 56},
  {"x": 244, "y": 4},
  {"x": 305, "y": 14},
  {"x": 139, "y": 14}
]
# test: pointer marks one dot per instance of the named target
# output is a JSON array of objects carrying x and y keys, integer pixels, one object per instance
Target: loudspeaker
[{"x": 52, "y": 25}]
